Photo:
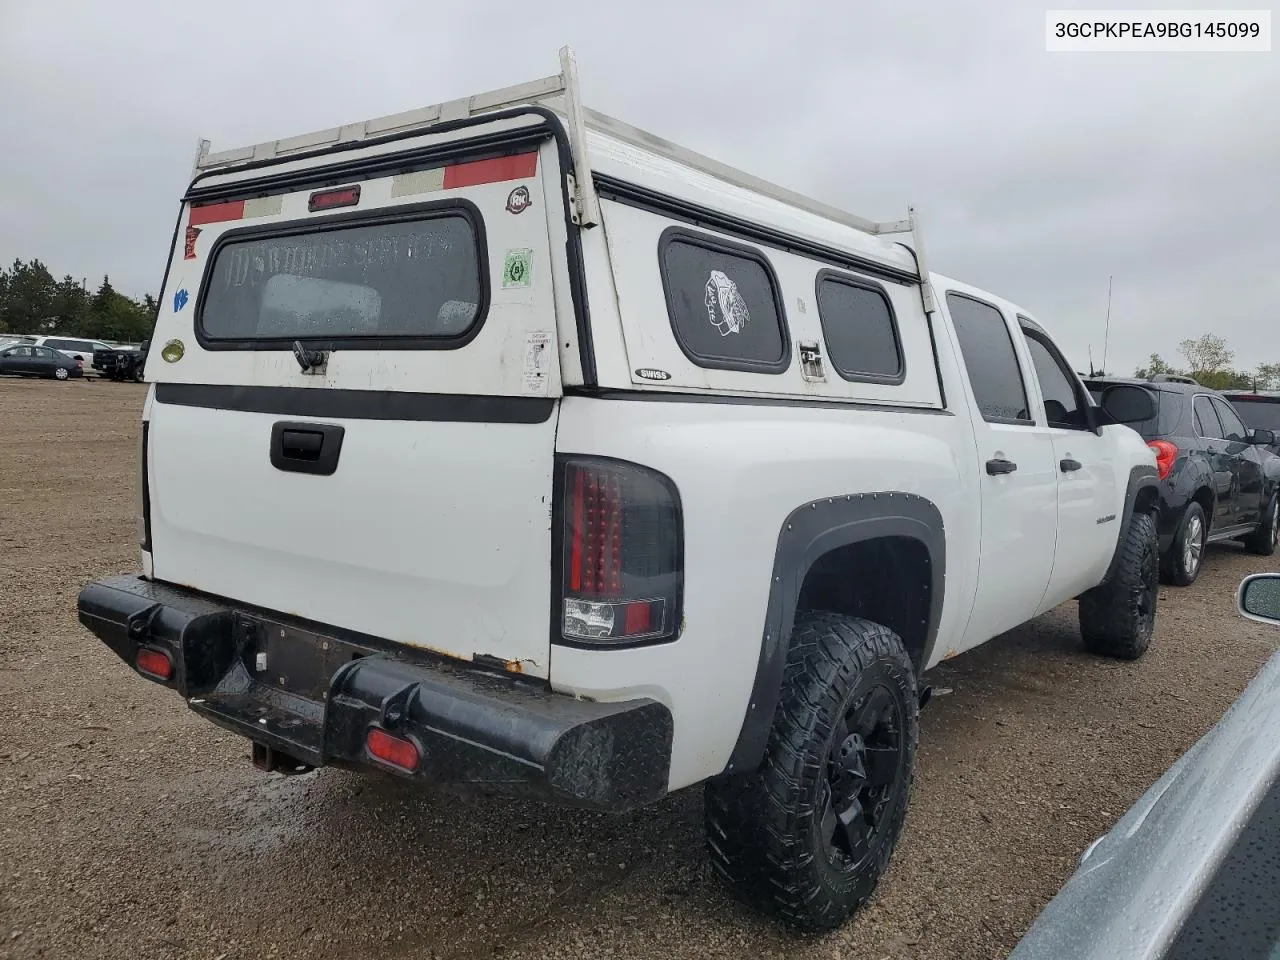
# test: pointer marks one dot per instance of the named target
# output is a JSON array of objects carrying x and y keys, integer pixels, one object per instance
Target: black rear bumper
[{"x": 314, "y": 695}]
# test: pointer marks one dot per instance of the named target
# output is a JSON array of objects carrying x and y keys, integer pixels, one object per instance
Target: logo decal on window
[
  {"x": 726, "y": 309},
  {"x": 518, "y": 200}
]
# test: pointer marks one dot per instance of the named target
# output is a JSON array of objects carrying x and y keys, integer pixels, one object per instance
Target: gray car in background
[{"x": 1192, "y": 870}]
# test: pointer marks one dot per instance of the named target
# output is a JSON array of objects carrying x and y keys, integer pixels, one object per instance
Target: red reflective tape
[
  {"x": 490, "y": 171},
  {"x": 216, "y": 212}
]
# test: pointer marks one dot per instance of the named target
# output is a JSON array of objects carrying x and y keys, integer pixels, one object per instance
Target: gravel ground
[{"x": 130, "y": 828}]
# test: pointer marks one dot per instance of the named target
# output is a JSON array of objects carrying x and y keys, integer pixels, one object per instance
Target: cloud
[{"x": 1039, "y": 174}]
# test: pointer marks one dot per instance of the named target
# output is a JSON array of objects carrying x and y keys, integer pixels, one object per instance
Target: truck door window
[
  {"x": 1063, "y": 401},
  {"x": 1233, "y": 427},
  {"x": 989, "y": 357},
  {"x": 1206, "y": 420}
]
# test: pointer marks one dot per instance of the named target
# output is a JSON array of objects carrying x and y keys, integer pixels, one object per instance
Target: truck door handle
[
  {"x": 1069, "y": 465},
  {"x": 1000, "y": 465},
  {"x": 306, "y": 447}
]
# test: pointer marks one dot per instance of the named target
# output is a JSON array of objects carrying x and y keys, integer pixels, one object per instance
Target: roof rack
[
  {"x": 1173, "y": 378},
  {"x": 560, "y": 92}
]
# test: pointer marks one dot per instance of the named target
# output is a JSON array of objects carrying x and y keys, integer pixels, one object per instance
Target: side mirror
[
  {"x": 1259, "y": 597},
  {"x": 1126, "y": 403},
  {"x": 1262, "y": 437}
]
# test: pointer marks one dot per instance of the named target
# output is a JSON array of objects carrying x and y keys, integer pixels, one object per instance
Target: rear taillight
[
  {"x": 1166, "y": 453},
  {"x": 396, "y": 751},
  {"x": 154, "y": 663},
  {"x": 622, "y": 563},
  {"x": 144, "y": 518}
]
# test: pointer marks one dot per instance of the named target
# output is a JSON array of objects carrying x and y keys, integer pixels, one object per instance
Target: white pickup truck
[{"x": 503, "y": 443}]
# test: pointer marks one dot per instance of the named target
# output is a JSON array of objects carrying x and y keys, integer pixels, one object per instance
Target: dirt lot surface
[{"x": 133, "y": 829}]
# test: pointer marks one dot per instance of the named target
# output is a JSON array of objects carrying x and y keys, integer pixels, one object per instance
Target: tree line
[
  {"x": 1210, "y": 362},
  {"x": 33, "y": 302}
]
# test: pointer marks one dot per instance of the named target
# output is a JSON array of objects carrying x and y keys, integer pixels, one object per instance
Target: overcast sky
[{"x": 1039, "y": 173}]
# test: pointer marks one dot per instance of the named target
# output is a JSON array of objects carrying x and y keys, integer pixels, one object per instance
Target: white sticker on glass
[{"x": 725, "y": 307}]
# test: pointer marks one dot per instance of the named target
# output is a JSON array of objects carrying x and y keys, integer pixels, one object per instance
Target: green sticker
[{"x": 515, "y": 273}]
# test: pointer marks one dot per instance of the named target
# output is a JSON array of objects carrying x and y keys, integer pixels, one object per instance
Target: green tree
[
  {"x": 1207, "y": 354},
  {"x": 28, "y": 297},
  {"x": 1268, "y": 376},
  {"x": 1155, "y": 366},
  {"x": 1224, "y": 379}
]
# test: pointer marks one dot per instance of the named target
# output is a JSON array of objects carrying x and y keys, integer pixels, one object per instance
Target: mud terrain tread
[
  {"x": 758, "y": 824},
  {"x": 1107, "y": 621}
]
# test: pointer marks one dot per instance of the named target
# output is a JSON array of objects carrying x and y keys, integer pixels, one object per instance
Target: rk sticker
[
  {"x": 180, "y": 300},
  {"x": 189, "y": 249},
  {"x": 537, "y": 362},
  {"x": 518, "y": 200},
  {"x": 515, "y": 272},
  {"x": 726, "y": 309}
]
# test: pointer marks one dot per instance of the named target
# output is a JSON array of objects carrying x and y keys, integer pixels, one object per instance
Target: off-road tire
[
  {"x": 1117, "y": 618},
  {"x": 765, "y": 829},
  {"x": 1263, "y": 540},
  {"x": 1182, "y": 563}
]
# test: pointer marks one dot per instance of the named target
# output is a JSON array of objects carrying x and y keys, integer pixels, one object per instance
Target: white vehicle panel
[{"x": 732, "y": 461}]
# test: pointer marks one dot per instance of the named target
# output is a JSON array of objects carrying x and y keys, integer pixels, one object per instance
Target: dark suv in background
[
  {"x": 1259, "y": 409},
  {"x": 1218, "y": 480}
]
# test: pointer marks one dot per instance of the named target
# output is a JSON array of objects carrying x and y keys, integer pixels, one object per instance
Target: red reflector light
[
  {"x": 1166, "y": 453},
  {"x": 331, "y": 199},
  {"x": 393, "y": 750},
  {"x": 154, "y": 663},
  {"x": 638, "y": 619}
]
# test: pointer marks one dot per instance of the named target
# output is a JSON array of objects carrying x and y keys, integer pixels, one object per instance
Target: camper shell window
[
  {"x": 723, "y": 303},
  {"x": 410, "y": 277},
  {"x": 860, "y": 329}
]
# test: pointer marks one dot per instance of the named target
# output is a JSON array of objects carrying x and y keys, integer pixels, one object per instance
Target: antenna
[
  {"x": 1106, "y": 339},
  {"x": 1092, "y": 372}
]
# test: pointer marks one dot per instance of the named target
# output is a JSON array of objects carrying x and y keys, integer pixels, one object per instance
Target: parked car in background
[
  {"x": 1259, "y": 409},
  {"x": 27, "y": 360},
  {"x": 1192, "y": 870},
  {"x": 1218, "y": 480},
  {"x": 78, "y": 348},
  {"x": 121, "y": 363}
]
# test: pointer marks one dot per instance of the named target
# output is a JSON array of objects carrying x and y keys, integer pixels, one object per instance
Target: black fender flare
[
  {"x": 1141, "y": 478},
  {"x": 810, "y": 531}
]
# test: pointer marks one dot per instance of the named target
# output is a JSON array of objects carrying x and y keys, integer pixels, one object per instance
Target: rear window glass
[
  {"x": 420, "y": 277},
  {"x": 857, "y": 323},
  {"x": 1264, "y": 414},
  {"x": 723, "y": 302}
]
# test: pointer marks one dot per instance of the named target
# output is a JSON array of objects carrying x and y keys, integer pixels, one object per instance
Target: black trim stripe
[
  {"x": 674, "y": 396},
  {"x": 358, "y": 404},
  {"x": 685, "y": 211}
]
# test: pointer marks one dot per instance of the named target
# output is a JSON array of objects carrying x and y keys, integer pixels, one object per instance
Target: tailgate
[{"x": 354, "y": 412}]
